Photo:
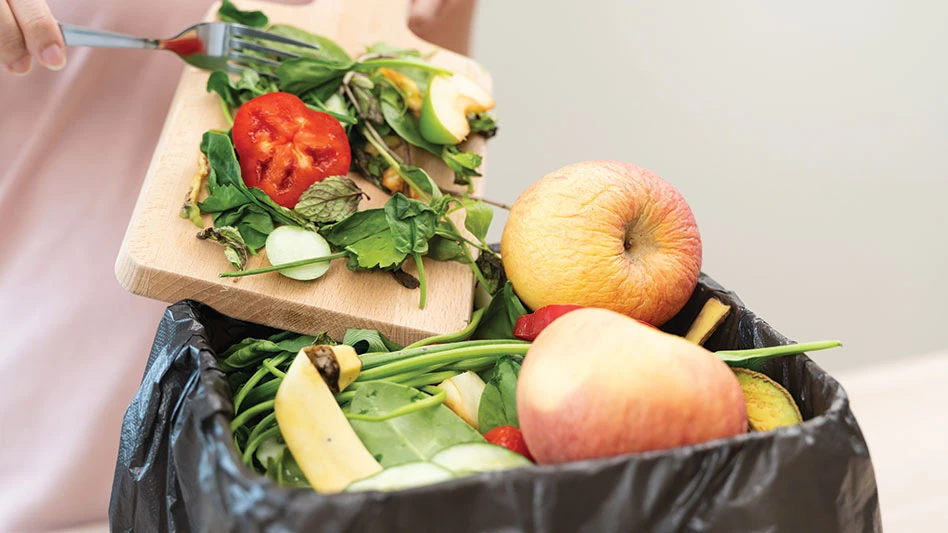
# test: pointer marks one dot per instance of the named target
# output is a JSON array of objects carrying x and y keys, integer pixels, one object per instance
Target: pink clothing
[{"x": 74, "y": 148}]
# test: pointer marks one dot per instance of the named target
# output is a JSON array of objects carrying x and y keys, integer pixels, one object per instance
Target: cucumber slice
[
  {"x": 474, "y": 457},
  {"x": 402, "y": 477},
  {"x": 290, "y": 243},
  {"x": 269, "y": 449}
]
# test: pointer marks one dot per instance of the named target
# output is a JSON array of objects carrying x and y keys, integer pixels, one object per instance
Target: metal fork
[{"x": 208, "y": 45}]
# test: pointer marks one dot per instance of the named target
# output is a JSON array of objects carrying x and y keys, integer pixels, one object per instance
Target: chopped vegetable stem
[
  {"x": 251, "y": 412},
  {"x": 376, "y": 359},
  {"x": 448, "y": 356},
  {"x": 743, "y": 356},
  {"x": 421, "y": 279},
  {"x": 284, "y": 266},
  {"x": 451, "y": 337}
]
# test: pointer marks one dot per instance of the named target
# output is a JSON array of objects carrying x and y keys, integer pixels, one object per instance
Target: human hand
[
  {"x": 446, "y": 23},
  {"x": 27, "y": 31}
]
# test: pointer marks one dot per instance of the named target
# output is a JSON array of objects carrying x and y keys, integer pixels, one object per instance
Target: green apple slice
[{"x": 449, "y": 101}]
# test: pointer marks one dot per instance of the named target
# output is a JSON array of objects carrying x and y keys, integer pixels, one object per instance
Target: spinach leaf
[
  {"x": 501, "y": 315},
  {"x": 403, "y": 123},
  {"x": 498, "y": 405},
  {"x": 415, "y": 436},
  {"x": 253, "y": 223},
  {"x": 235, "y": 249},
  {"x": 368, "y": 340},
  {"x": 280, "y": 213},
  {"x": 224, "y": 198},
  {"x": 329, "y": 50},
  {"x": 296, "y": 343},
  {"x": 366, "y": 234},
  {"x": 223, "y": 162},
  {"x": 236, "y": 93},
  {"x": 463, "y": 164},
  {"x": 442, "y": 249},
  {"x": 484, "y": 124},
  {"x": 412, "y": 224},
  {"x": 229, "y": 13},
  {"x": 329, "y": 200},
  {"x": 248, "y": 352},
  {"x": 477, "y": 217},
  {"x": 306, "y": 73}
]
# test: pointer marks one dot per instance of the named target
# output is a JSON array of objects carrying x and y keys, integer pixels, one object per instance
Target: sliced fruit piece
[
  {"x": 449, "y": 101},
  {"x": 711, "y": 316},
  {"x": 464, "y": 395},
  {"x": 769, "y": 405},
  {"x": 474, "y": 457},
  {"x": 402, "y": 477},
  {"x": 290, "y": 243},
  {"x": 315, "y": 429}
]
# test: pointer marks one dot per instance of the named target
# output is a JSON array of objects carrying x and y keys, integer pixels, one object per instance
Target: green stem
[
  {"x": 257, "y": 376},
  {"x": 442, "y": 358},
  {"x": 284, "y": 266},
  {"x": 253, "y": 444},
  {"x": 467, "y": 254},
  {"x": 432, "y": 378},
  {"x": 477, "y": 363},
  {"x": 452, "y": 337},
  {"x": 480, "y": 246},
  {"x": 384, "y": 152},
  {"x": 375, "y": 359},
  {"x": 273, "y": 369},
  {"x": 757, "y": 354},
  {"x": 226, "y": 109},
  {"x": 421, "y": 279},
  {"x": 397, "y": 62},
  {"x": 242, "y": 418},
  {"x": 435, "y": 399}
]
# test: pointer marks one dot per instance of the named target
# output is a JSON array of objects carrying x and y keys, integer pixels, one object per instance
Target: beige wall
[{"x": 809, "y": 138}]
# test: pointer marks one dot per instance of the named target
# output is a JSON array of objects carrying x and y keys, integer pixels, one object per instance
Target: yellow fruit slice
[
  {"x": 711, "y": 316},
  {"x": 315, "y": 429},
  {"x": 769, "y": 406}
]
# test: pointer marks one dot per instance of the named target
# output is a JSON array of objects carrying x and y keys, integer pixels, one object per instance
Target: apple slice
[
  {"x": 463, "y": 395},
  {"x": 449, "y": 101}
]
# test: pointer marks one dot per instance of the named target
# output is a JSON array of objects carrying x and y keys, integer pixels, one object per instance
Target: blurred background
[{"x": 808, "y": 137}]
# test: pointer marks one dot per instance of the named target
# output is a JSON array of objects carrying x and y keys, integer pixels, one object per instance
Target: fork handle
[{"x": 80, "y": 36}]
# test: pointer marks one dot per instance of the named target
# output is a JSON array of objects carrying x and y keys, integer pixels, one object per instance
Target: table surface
[{"x": 898, "y": 407}]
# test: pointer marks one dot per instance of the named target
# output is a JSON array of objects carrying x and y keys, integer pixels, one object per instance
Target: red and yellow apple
[
  {"x": 603, "y": 234},
  {"x": 596, "y": 383}
]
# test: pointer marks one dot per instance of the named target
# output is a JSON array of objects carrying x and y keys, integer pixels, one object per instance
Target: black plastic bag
[{"x": 178, "y": 470}]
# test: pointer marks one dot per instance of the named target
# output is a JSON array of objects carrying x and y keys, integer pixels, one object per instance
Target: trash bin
[{"x": 178, "y": 469}]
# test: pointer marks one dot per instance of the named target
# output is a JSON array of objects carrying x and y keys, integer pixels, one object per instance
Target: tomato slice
[{"x": 284, "y": 146}]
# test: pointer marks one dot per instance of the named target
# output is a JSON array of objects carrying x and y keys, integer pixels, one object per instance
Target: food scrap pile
[{"x": 563, "y": 360}]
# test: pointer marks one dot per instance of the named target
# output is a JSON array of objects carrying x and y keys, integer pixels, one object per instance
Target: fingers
[
  {"x": 41, "y": 32},
  {"x": 424, "y": 13},
  {"x": 13, "y": 53}
]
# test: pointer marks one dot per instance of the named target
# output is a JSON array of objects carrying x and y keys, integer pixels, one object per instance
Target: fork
[{"x": 208, "y": 45}]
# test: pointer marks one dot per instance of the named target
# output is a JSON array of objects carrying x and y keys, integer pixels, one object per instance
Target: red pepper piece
[
  {"x": 509, "y": 437},
  {"x": 529, "y": 326}
]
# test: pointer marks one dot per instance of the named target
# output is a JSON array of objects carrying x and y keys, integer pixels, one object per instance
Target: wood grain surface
[{"x": 161, "y": 258}]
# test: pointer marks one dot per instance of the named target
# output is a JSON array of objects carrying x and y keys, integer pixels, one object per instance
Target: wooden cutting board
[{"x": 161, "y": 258}]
